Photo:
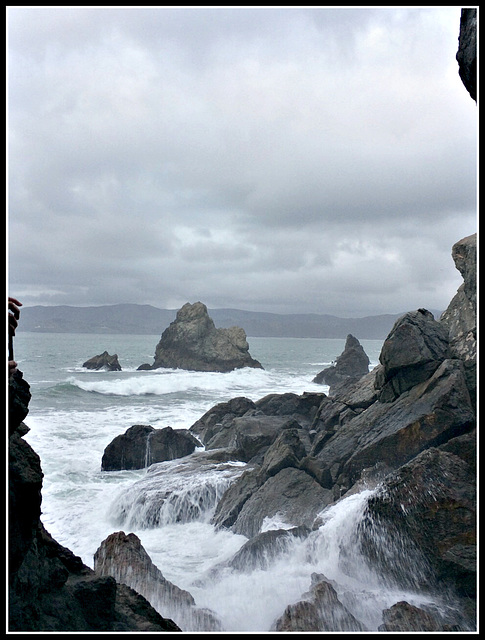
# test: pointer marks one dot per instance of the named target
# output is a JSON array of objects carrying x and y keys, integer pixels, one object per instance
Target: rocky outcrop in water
[
  {"x": 50, "y": 589},
  {"x": 103, "y": 361},
  {"x": 124, "y": 558},
  {"x": 192, "y": 342},
  {"x": 142, "y": 445},
  {"x": 351, "y": 364}
]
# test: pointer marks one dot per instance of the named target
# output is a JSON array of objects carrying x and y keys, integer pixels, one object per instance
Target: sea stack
[{"x": 192, "y": 342}]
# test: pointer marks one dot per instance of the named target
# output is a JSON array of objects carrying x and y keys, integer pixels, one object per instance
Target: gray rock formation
[
  {"x": 142, "y": 445},
  {"x": 103, "y": 361},
  {"x": 123, "y": 558},
  {"x": 351, "y": 364},
  {"x": 192, "y": 342}
]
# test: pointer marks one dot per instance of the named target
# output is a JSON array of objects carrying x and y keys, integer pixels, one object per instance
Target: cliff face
[{"x": 50, "y": 589}]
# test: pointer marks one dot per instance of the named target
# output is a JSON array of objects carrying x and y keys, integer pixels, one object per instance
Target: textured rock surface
[
  {"x": 351, "y": 364},
  {"x": 467, "y": 51},
  {"x": 414, "y": 349},
  {"x": 460, "y": 318},
  {"x": 192, "y": 342},
  {"x": 124, "y": 558},
  {"x": 142, "y": 445},
  {"x": 103, "y": 361}
]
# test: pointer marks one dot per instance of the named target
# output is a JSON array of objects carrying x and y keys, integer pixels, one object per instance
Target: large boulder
[
  {"x": 411, "y": 353},
  {"x": 103, "y": 361},
  {"x": 427, "y": 415},
  {"x": 192, "y": 342},
  {"x": 142, "y": 445},
  {"x": 124, "y": 558},
  {"x": 351, "y": 364}
]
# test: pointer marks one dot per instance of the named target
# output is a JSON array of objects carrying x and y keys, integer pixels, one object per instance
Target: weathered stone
[
  {"x": 207, "y": 426},
  {"x": 103, "y": 361},
  {"x": 291, "y": 494},
  {"x": 262, "y": 550},
  {"x": 142, "y": 445},
  {"x": 351, "y": 364},
  {"x": 414, "y": 349},
  {"x": 460, "y": 318},
  {"x": 192, "y": 342},
  {"x": 50, "y": 589},
  {"x": 124, "y": 558},
  {"x": 403, "y": 616},
  {"x": 427, "y": 415}
]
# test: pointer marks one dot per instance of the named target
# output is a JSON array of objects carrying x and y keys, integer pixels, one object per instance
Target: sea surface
[{"x": 75, "y": 413}]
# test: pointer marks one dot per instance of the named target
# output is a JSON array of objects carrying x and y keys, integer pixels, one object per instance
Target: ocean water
[{"x": 75, "y": 413}]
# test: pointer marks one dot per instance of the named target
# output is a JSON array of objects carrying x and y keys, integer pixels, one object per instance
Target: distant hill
[{"x": 145, "y": 319}]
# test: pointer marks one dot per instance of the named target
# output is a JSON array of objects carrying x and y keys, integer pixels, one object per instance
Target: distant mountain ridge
[{"x": 146, "y": 319}]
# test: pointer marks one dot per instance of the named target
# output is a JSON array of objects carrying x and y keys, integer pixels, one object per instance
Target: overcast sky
[{"x": 269, "y": 159}]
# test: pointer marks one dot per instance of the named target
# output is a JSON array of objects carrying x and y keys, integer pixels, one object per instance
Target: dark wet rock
[
  {"x": 301, "y": 408},
  {"x": 248, "y": 435},
  {"x": 320, "y": 610},
  {"x": 351, "y": 364},
  {"x": 430, "y": 502},
  {"x": 291, "y": 495},
  {"x": 192, "y": 342},
  {"x": 50, "y": 589},
  {"x": 103, "y": 361},
  {"x": 414, "y": 349},
  {"x": 467, "y": 51},
  {"x": 142, "y": 445},
  {"x": 18, "y": 400},
  {"x": 223, "y": 413},
  {"x": 235, "y": 497},
  {"x": 124, "y": 558},
  {"x": 261, "y": 551}
]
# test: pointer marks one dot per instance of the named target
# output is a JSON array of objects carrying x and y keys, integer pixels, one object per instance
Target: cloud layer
[{"x": 279, "y": 159}]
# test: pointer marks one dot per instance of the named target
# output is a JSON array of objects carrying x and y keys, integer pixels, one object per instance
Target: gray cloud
[{"x": 289, "y": 160}]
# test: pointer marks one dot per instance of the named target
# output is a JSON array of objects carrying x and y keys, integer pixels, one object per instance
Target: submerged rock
[
  {"x": 192, "y": 342},
  {"x": 103, "y": 361}
]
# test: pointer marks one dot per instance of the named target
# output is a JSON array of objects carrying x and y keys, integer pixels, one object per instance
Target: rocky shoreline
[{"x": 407, "y": 427}]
